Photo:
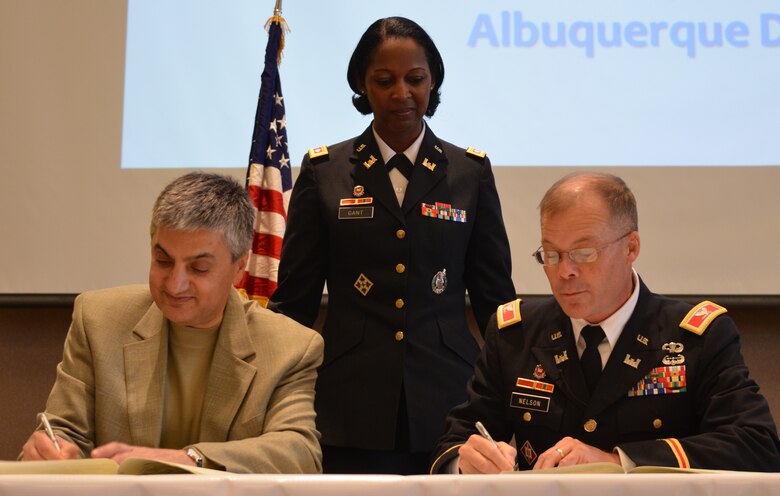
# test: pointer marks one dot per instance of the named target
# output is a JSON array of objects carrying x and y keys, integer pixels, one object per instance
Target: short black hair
[{"x": 379, "y": 31}]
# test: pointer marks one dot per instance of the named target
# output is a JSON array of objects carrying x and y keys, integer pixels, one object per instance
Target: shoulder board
[
  {"x": 508, "y": 313},
  {"x": 701, "y": 316},
  {"x": 320, "y": 151},
  {"x": 477, "y": 153}
]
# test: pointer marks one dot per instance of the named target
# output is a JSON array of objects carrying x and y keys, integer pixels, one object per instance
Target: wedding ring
[{"x": 560, "y": 452}]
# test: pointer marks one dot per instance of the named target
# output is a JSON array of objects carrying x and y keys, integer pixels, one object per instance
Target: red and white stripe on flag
[{"x": 269, "y": 178}]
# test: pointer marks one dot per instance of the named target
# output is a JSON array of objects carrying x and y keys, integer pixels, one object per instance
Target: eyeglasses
[{"x": 549, "y": 258}]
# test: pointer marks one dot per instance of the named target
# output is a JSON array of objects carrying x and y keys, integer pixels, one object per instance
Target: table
[{"x": 716, "y": 484}]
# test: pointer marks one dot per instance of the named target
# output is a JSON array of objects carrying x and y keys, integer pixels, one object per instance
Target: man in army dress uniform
[{"x": 606, "y": 371}]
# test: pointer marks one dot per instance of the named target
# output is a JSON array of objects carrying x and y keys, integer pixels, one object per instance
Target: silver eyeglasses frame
[{"x": 551, "y": 258}]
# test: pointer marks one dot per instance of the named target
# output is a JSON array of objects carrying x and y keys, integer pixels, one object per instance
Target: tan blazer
[{"x": 258, "y": 413}]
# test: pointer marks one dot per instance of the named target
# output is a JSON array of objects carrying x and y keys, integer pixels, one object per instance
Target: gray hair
[
  {"x": 200, "y": 200},
  {"x": 613, "y": 190}
]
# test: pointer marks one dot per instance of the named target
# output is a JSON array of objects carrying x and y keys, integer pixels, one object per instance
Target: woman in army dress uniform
[{"x": 399, "y": 224}]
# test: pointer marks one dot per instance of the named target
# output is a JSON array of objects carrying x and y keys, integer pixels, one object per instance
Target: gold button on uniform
[
  {"x": 590, "y": 425},
  {"x": 399, "y": 303},
  {"x": 527, "y": 416},
  {"x": 399, "y": 336},
  {"x": 400, "y": 234},
  {"x": 657, "y": 423},
  {"x": 400, "y": 268}
]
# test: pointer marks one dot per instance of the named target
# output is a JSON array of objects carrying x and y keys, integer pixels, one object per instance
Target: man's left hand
[
  {"x": 569, "y": 451},
  {"x": 119, "y": 452}
]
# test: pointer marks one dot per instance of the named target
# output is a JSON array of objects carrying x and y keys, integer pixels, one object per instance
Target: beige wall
[{"x": 71, "y": 220}]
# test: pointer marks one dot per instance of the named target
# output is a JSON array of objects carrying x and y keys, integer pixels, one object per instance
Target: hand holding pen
[
  {"x": 478, "y": 457},
  {"x": 45, "y": 445}
]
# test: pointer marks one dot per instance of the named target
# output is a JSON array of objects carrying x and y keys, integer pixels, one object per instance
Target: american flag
[{"x": 269, "y": 179}]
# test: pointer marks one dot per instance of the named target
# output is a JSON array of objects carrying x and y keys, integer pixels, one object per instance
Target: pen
[
  {"x": 49, "y": 431},
  {"x": 484, "y": 433}
]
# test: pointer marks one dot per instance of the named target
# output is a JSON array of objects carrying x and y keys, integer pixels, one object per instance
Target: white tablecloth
[{"x": 726, "y": 484}]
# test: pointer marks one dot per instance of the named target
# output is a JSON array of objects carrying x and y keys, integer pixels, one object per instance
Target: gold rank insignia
[
  {"x": 632, "y": 362},
  {"x": 475, "y": 152},
  {"x": 371, "y": 161},
  {"x": 428, "y": 164},
  {"x": 363, "y": 284},
  {"x": 701, "y": 316},
  {"x": 508, "y": 313},
  {"x": 320, "y": 151}
]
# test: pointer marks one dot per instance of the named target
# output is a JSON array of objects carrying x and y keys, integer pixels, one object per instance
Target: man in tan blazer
[{"x": 186, "y": 370}]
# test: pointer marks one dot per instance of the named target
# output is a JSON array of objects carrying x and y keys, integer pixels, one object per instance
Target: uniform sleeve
[
  {"x": 289, "y": 443},
  {"x": 483, "y": 403},
  {"x": 735, "y": 428},
  {"x": 488, "y": 271},
  {"x": 303, "y": 264}
]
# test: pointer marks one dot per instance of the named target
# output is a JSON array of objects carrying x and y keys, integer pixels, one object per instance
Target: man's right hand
[
  {"x": 480, "y": 456},
  {"x": 40, "y": 447}
]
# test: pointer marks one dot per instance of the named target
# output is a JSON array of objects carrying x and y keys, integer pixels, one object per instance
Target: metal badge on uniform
[
  {"x": 360, "y": 148},
  {"x": 559, "y": 359},
  {"x": 428, "y": 164},
  {"x": 556, "y": 335},
  {"x": 642, "y": 339},
  {"x": 632, "y": 362},
  {"x": 530, "y": 402},
  {"x": 539, "y": 372},
  {"x": 444, "y": 211},
  {"x": 675, "y": 356},
  {"x": 358, "y": 190},
  {"x": 371, "y": 161},
  {"x": 439, "y": 282},
  {"x": 528, "y": 452},
  {"x": 363, "y": 284},
  {"x": 535, "y": 385},
  {"x": 661, "y": 380}
]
